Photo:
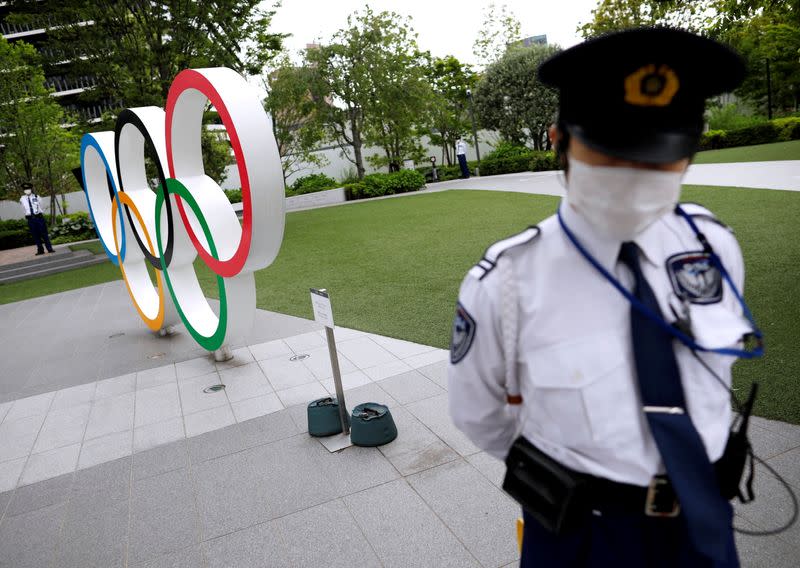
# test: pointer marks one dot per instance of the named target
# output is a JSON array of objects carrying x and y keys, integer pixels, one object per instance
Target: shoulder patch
[
  {"x": 463, "y": 334},
  {"x": 694, "y": 277},
  {"x": 697, "y": 211},
  {"x": 486, "y": 264}
]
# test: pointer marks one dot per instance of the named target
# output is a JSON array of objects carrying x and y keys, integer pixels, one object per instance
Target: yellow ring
[{"x": 155, "y": 323}]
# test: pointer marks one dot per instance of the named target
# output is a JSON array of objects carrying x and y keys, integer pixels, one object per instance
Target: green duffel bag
[
  {"x": 323, "y": 417},
  {"x": 371, "y": 424}
]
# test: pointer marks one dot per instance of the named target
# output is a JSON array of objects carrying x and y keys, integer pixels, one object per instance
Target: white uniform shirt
[
  {"x": 461, "y": 147},
  {"x": 32, "y": 207},
  {"x": 574, "y": 353}
]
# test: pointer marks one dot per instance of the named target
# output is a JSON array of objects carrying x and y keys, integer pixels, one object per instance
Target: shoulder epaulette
[
  {"x": 489, "y": 261},
  {"x": 697, "y": 211}
]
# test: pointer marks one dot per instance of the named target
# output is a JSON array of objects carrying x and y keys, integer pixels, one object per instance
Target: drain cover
[
  {"x": 214, "y": 388},
  {"x": 156, "y": 356},
  {"x": 299, "y": 357}
]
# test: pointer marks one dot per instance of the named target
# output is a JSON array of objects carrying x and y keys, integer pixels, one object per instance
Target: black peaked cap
[{"x": 640, "y": 94}]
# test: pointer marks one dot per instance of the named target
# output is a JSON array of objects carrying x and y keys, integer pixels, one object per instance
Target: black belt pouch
[{"x": 553, "y": 494}]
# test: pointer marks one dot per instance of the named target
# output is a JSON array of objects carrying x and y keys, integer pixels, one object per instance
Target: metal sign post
[{"x": 321, "y": 303}]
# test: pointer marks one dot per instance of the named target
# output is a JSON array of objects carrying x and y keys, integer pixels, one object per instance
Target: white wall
[{"x": 76, "y": 201}]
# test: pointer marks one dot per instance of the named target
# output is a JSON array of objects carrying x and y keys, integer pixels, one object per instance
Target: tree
[
  {"x": 447, "y": 116},
  {"x": 35, "y": 147},
  {"x": 134, "y": 49},
  {"x": 295, "y": 122},
  {"x": 510, "y": 99},
  {"x": 369, "y": 87},
  {"x": 761, "y": 30},
  {"x": 500, "y": 30}
]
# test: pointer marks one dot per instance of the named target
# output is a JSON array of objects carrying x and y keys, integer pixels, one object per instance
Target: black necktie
[
  {"x": 708, "y": 515},
  {"x": 30, "y": 205}
]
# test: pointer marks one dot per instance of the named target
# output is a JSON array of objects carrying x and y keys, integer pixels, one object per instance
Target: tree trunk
[{"x": 357, "y": 143}]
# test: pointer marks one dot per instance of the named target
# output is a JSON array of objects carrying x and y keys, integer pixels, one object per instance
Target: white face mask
[
  {"x": 27, "y": 191},
  {"x": 620, "y": 203}
]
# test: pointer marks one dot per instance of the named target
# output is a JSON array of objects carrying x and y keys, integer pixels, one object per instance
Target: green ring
[{"x": 214, "y": 341}]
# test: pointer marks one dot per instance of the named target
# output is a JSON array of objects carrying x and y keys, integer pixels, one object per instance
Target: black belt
[{"x": 655, "y": 500}]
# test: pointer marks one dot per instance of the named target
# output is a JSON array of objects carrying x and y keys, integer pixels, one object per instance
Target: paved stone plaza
[{"x": 109, "y": 457}]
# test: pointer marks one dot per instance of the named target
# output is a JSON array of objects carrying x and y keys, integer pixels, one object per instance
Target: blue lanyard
[{"x": 678, "y": 334}]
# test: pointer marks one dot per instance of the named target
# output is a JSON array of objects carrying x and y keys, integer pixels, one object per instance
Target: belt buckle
[{"x": 661, "y": 500}]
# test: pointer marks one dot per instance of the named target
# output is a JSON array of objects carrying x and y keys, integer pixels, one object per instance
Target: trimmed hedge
[
  {"x": 15, "y": 238},
  {"x": 311, "y": 184},
  {"x": 377, "y": 185},
  {"x": 777, "y": 130},
  {"x": 234, "y": 195},
  {"x": 508, "y": 159}
]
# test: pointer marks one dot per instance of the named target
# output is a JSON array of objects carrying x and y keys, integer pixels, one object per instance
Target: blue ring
[{"x": 86, "y": 141}]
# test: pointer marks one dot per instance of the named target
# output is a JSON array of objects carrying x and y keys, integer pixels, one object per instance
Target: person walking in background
[
  {"x": 33, "y": 213},
  {"x": 593, "y": 352},
  {"x": 461, "y": 153}
]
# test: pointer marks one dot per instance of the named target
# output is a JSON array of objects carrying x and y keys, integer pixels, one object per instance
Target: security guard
[
  {"x": 33, "y": 214},
  {"x": 593, "y": 353}
]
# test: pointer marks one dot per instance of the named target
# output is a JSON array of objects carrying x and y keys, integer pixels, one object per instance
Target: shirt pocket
[{"x": 582, "y": 392}]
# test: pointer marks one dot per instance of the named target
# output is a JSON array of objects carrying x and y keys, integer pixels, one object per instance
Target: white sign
[{"x": 322, "y": 307}]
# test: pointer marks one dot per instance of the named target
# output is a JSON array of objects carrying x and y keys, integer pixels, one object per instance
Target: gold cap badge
[{"x": 651, "y": 86}]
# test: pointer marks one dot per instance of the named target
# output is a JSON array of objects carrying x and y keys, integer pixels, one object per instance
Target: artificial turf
[{"x": 394, "y": 266}]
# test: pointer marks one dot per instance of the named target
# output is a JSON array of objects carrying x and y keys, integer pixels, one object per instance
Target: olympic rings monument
[{"x": 189, "y": 215}]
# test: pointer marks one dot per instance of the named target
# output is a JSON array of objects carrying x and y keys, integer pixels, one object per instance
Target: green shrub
[
  {"x": 313, "y": 183},
  {"x": 543, "y": 161},
  {"x": 15, "y": 238},
  {"x": 788, "y": 128},
  {"x": 732, "y": 117},
  {"x": 377, "y": 185},
  {"x": 234, "y": 195},
  {"x": 14, "y": 225},
  {"x": 73, "y": 227},
  {"x": 506, "y": 158},
  {"x": 778, "y": 130}
]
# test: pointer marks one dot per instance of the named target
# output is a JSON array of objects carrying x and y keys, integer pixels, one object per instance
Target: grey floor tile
[
  {"x": 253, "y": 547},
  {"x": 101, "y": 485},
  {"x": 412, "y": 435},
  {"x": 216, "y": 443},
  {"x": 29, "y": 540},
  {"x": 268, "y": 428},
  {"x": 403, "y": 531},
  {"x": 437, "y": 372},
  {"x": 434, "y": 454},
  {"x": 42, "y": 494},
  {"x": 763, "y": 552},
  {"x": 771, "y": 508},
  {"x": 352, "y": 469},
  {"x": 788, "y": 466},
  {"x": 163, "y": 516},
  {"x": 191, "y": 557},
  {"x": 791, "y": 431},
  {"x": 290, "y": 477},
  {"x": 5, "y": 497},
  {"x": 94, "y": 537},
  {"x": 479, "y": 514},
  {"x": 230, "y": 494},
  {"x": 410, "y": 387},
  {"x": 492, "y": 468},
  {"x": 160, "y": 459},
  {"x": 326, "y": 535},
  {"x": 768, "y": 444},
  {"x": 434, "y": 414}
]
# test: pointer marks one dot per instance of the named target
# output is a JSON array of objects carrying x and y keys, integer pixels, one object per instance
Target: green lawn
[
  {"x": 393, "y": 267},
  {"x": 759, "y": 153}
]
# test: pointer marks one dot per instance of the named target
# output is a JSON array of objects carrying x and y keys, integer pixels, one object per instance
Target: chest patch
[
  {"x": 463, "y": 334},
  {"x": 694, "y": 277}
]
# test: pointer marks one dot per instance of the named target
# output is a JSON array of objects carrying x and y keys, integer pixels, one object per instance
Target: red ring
[{"x": 191, "y": 79}]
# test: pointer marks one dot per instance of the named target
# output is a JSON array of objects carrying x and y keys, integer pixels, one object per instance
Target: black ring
[{"x": 127, "y": 116}]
